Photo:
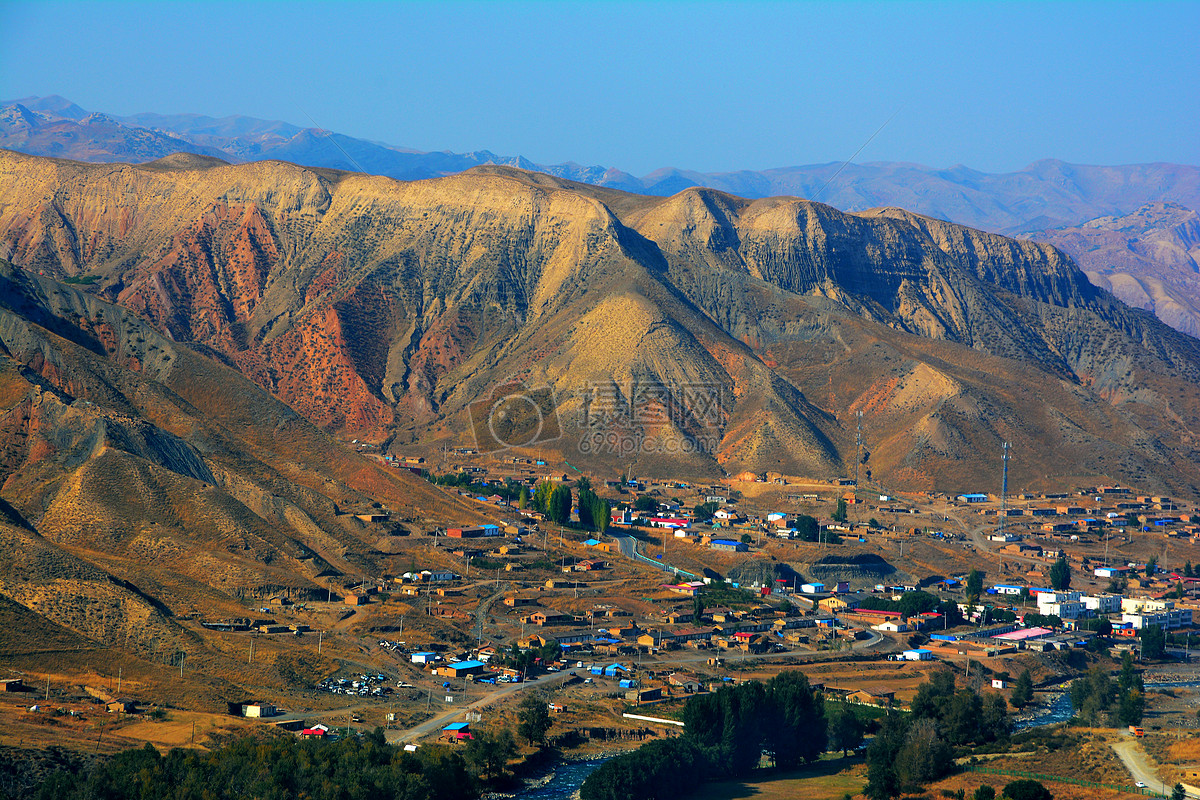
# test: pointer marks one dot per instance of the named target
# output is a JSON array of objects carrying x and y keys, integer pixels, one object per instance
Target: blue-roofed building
[
  {"x": 973, "y": 498},
  {"x": 462, "y": 668},
  {"x": 728, "y": 544},
  {"x": 457, "y": 731}
]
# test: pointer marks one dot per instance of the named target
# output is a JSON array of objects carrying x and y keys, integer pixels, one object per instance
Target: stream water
[{"x": 563, "y": 783}]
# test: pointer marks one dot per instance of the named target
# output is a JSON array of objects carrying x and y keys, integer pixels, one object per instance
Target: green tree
[
  {"x": 1026, "y": 790},
  {"x": 1092, "y": 696},
  {"x": 960, "y": 723},
  {"x": 845, "y": 729},
  {"x": 924, "y": 757},
  {"x": 883, "y": 779},
  {"x": 541, "y": 496},
  {"x": 797, "y": 713},
  {"x": 975, "y": 582},
  {"x": 1178, "y": 792},
  {"x": 747, "y": 538},
  {"x": 523, "y": 498},
  {"x": 933, "y": 697},
  {"x": 1060, "y": 576},
  {"x": 602, "y": 515},
  {"x": 873, "y": 523},
  {"x": 1131, "y": 708},
  {"x": 645, "y": 503},
  {"x": 1022, "y": 692},
  {"x": 807, "y": 528},
  {"x": 985, "y": 792},
  {"x": 994, "y": 724},
  {"x": 840, "y": 513},
  {"x": 586, "y": 502},
  {"x": 1104, "y": 627},
  {"x": 1128, "y": 677},
  {"x": 533, "y": 719},
  {"x": 559, "y": 508},
  {"x": 1187, "y": 569},
  {"x": 1154, "y": 642},
  {"x": 1151, "y": 567},
  {"x": 705, "y": 510},
  {"x": 489, "y": 752}
]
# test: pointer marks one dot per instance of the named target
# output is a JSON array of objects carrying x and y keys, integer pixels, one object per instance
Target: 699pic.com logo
[{"x": 515, "y": 415}]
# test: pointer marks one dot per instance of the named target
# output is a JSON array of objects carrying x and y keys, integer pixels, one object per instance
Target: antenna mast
[{"x": 1004, "y": 492}]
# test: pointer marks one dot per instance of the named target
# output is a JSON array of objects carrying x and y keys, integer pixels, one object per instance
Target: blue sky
[{"x": 706, "y": 86}]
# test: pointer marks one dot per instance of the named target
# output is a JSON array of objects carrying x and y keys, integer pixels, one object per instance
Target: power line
[{"x": 856, "y": 152}]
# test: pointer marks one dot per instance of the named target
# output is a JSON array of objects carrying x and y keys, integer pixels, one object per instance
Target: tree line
[
  {"x": 912, "y": 750},
  {"x": 727, "y": 734},
  {"x": 356, "y": 767},
  {"x": 362, "y": 767}
]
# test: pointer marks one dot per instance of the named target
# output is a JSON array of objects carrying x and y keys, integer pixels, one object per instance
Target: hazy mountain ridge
[
  {"x": 1046, "y": 194},
  {"x": 1149, "y": 258},
  {"x": 387, "y": 309}
]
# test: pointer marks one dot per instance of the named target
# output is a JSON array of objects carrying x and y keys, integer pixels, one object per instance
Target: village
[
  {"x": 691, "y": 587},
  {"x": 686, "y": 588}
]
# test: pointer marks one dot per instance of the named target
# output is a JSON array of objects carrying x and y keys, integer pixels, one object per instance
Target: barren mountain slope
[
  {"x": 1149, "y": 259},
  {"x": 390, "y": 310},
  {"x": 125, "y": 454}
]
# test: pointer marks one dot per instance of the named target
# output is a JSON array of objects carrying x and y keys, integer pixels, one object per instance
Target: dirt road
[
  {"x": 1130, "y": 751},
  {"x": 452, "y": 714}
]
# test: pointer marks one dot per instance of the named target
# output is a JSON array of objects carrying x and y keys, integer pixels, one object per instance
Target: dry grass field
[{"x": 828, "y": 779}]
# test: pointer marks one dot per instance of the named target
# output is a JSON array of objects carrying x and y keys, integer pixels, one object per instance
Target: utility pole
[
  {"x": 858, "y": 457},
  {"x": 182, "y": 656},
  {"x": 120, "y": 674},
  {"x": 321, "y": 638},
  {"x": 250, "y": 660}
]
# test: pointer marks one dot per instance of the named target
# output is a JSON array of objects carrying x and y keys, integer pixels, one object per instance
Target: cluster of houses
[{"x": 1105, "y": 507}]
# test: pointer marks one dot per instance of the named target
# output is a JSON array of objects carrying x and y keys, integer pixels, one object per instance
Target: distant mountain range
[{"x": 1034, "y": 202}]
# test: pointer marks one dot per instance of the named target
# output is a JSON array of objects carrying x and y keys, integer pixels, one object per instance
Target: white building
[
  {"x": 1169, "y": 619},
  {"x": 891, "y": 627},
  {"x": 1101, "y": 604},
  {"x": 259, "y": 710},
  {"x": 919, "y": 654},
  {"x": 1136, "y": 605},
  {"x": 1064, "y": 605}
]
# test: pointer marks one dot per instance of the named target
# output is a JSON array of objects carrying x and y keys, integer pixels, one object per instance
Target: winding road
[{"x": 1130, "y": 751}]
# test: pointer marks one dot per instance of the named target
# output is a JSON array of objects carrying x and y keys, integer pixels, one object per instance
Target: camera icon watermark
[{"x": 515, "y": 415}]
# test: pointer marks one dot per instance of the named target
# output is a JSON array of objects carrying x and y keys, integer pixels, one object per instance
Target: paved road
[
  {"x": 454, "y": 713},
  {"x": 628, "y": 547},
  {"x": 1130, "y": 751}
]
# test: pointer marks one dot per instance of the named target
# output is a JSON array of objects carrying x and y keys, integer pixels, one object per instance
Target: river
[{"x": 564, "y": 782}]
